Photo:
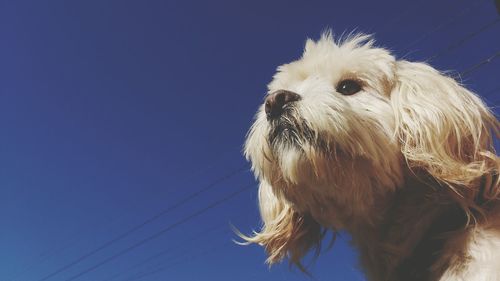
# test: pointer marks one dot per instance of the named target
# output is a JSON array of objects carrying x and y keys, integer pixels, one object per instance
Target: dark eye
[{"x": 348, "y": 87}]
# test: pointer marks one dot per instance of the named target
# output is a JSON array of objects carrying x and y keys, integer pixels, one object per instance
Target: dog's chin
[
  {"x": 297, "y": 153},
  {"x": 284, "y": 134}
]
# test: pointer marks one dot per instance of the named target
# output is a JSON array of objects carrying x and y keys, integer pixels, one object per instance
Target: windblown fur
[{"x": 406, "y": 165}]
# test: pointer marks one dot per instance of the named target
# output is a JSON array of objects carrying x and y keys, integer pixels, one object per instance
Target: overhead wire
[
  {"x": 146, "y": 222},
  {"x": 169, "y": 266},
  {"x": 464, "y": 39},
  {"x": 161, "y": 232},
  {"x": 442, "y": 25},
  {"x": 49, "y": 253},
  {"x": 58, "y": 249},
  {"x": 475, "y": 67},
  {"x": 200, "y": 235},
  {"x": 44, "y": 257}
]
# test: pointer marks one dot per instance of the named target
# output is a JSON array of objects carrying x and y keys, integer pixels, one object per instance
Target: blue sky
[{"x": 113, "y": 112}]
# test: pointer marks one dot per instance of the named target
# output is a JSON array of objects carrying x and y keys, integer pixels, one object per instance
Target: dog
[{"x": 394, "y": 152}]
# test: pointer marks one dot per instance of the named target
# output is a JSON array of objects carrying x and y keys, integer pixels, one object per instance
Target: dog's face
[
  {"x": 338, "y": 129},
  {"x": 326, "y": 129}
]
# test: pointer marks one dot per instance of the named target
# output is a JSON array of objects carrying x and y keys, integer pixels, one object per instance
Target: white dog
[{"x": 396, "y": 153}]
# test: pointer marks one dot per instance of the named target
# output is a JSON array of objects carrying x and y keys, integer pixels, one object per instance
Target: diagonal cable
[
  {"x": 480, "y": 64},
  {"x": 146, "y": 222},
  {"x": 161, "y": 232},
  {"x": 465, "y": 39},
  {"x": 453, "y": 19}
]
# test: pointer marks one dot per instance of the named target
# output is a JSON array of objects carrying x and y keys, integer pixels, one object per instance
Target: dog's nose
[{"x": 276, "y": 101}]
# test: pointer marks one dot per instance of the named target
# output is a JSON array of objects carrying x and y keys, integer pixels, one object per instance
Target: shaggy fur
[{"x": 406, "y": 165}]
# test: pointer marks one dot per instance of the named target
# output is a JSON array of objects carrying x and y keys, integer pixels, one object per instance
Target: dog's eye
[{"x": 348, "y": 87}]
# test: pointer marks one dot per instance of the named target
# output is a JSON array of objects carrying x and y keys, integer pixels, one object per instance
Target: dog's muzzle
[
  {"x": 277, "y": 101},
  {"x": 286, "y": 125}
]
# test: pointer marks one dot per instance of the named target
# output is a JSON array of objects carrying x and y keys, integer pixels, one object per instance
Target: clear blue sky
[{"x": 114, "y": 111}]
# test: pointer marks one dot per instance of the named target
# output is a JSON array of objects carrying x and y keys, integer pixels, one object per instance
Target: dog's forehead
[{"x": 333, "y": 62}]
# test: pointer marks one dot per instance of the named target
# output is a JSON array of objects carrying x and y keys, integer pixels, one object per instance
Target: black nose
[{"x": 275, "y": 102}]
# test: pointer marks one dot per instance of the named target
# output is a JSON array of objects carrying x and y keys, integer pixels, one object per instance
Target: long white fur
[{"x": 408, "y": 122}]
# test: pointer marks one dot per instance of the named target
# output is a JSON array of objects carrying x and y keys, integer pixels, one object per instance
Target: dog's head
[{"x": 342, "y": 126}]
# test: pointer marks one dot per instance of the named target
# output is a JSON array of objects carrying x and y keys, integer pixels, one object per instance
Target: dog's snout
[{"x": 276, "y": 101}]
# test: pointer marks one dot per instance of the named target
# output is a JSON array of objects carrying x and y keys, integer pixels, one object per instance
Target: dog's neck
[{"x": 403, "y": 240}]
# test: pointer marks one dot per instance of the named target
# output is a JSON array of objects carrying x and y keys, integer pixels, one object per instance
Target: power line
[
  {"x": 478, "y": 65},
  {"x": 42, "y": 258},
  {"x": 407, "y": 11},
  {"x": 58, "y": 249},
  {"x": 168, "y": 266},
  {"x": 161, "y": 232},
  {"x": 187, "y": 257},
  {"x": 197, "y": 236},
  {"x": 464, "y": 39},
  {"x": 453, "y": 19},
  {"x": 146, "y": 222}
]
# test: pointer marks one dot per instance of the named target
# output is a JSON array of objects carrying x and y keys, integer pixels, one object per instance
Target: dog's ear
[
  {"x": 446, "y": 131},
  {"x": 285, "y": 232}
]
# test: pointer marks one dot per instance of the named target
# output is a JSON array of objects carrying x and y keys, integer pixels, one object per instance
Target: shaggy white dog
[{"x": 395, "y": 152}]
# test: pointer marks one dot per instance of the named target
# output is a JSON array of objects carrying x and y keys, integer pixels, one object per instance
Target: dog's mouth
[
  {"x": 283, "y": 132},
  {"x": 289, "y": 130}
]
